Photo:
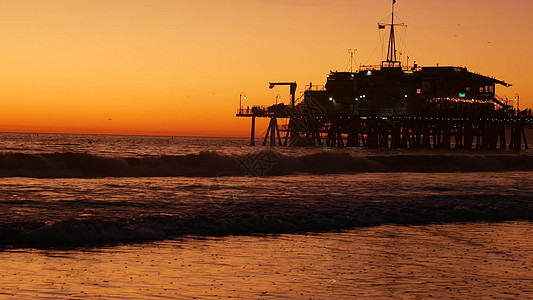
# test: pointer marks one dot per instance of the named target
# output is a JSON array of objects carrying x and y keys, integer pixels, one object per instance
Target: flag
[{"x": 381, "y": 26}]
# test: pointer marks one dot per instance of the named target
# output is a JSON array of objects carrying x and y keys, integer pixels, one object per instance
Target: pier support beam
[
  {"x": 517, "y": 133},
  {"x": 372, "y": 134},
  {"x": 426, "y": 143},
  {"x": 334, "y": 138},
  {"x": 405, "y": 141},
  {"x": 525, "y": 138},
  {"x": 447, "y": 129},
  {"x": 272, "y": 130},
  {"x": 469, "y": 135},
  {"x": 503, "y": 141},
  {"x": 516, "y": 137},
  {"x": 458, "y": 133},
  {"x": 354, "y": 128},
  {"x": 395, "y": 136},
  {"x": 252, "y": 135}
]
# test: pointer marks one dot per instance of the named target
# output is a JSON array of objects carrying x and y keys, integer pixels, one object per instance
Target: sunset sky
[{"x": 176, "y": 67}]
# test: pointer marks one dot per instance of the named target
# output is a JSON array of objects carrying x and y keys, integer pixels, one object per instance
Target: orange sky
[{"x": 176, "y": 67}]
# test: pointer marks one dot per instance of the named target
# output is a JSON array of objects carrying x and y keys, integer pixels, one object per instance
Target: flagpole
[
  {"x": 392, "y": 23},
  {"x": 392, "y": 43},
  {"x": 391, "y": 51}
]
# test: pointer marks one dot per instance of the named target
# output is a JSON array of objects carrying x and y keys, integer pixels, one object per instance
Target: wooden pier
[
  {"x": 396, "y": 106},
  {"x": 390, "y": 132}
]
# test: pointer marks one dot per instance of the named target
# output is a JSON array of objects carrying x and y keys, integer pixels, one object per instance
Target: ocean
[{"x": 138, "y": 217}]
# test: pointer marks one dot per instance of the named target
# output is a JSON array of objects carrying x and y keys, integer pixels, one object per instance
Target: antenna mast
[
  {"x": 392, "y": 60},
  {"x": 391, "y": 52},
  {"x": 352, "y": 61}
]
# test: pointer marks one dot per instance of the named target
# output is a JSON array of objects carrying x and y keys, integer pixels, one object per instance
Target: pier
[
  {"x": 302, "y": 127},
  {"x": 395, "y": 106}
]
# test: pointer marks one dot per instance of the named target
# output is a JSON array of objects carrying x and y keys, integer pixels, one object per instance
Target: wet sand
[{"x": 463, "y": 261}]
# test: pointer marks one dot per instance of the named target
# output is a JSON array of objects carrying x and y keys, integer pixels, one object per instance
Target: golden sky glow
[{"x": 176, "y": 67}]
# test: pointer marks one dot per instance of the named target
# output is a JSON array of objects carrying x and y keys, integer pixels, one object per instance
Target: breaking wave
[
  {"x": 264, "y": 163},
  {"x": 247, "y": 219}
]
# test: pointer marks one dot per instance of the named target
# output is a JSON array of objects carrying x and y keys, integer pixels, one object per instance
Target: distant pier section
[
  {"x": 397, "y": 107},
  {"x": 394, "y": 106}
]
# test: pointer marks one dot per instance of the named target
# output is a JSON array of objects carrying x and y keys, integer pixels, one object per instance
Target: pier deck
[{"x": 392, "y": 132}]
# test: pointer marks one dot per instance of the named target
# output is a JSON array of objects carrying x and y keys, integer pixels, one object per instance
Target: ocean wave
[
  {"x": 262, "y": 218},
  {"x": 263, "y": 163}
]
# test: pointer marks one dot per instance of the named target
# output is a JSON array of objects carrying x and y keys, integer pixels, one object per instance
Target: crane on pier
[{"x": 292, "y": 86}]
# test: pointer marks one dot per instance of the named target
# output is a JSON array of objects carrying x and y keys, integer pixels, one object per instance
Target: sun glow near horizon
[{"x": 177, "y": 67}]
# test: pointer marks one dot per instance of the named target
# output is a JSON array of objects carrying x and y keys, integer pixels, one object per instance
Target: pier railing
[
  {"x": 256, "y": 110},
  {"x": 378, "y": 67},
  {"x": 315, "y": 87}
]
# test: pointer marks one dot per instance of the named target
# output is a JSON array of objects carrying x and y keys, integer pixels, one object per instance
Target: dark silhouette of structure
[{"x": 395, "y": 106}]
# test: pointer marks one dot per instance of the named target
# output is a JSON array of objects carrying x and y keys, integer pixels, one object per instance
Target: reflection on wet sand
[{"x": 467, "y": 261}]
